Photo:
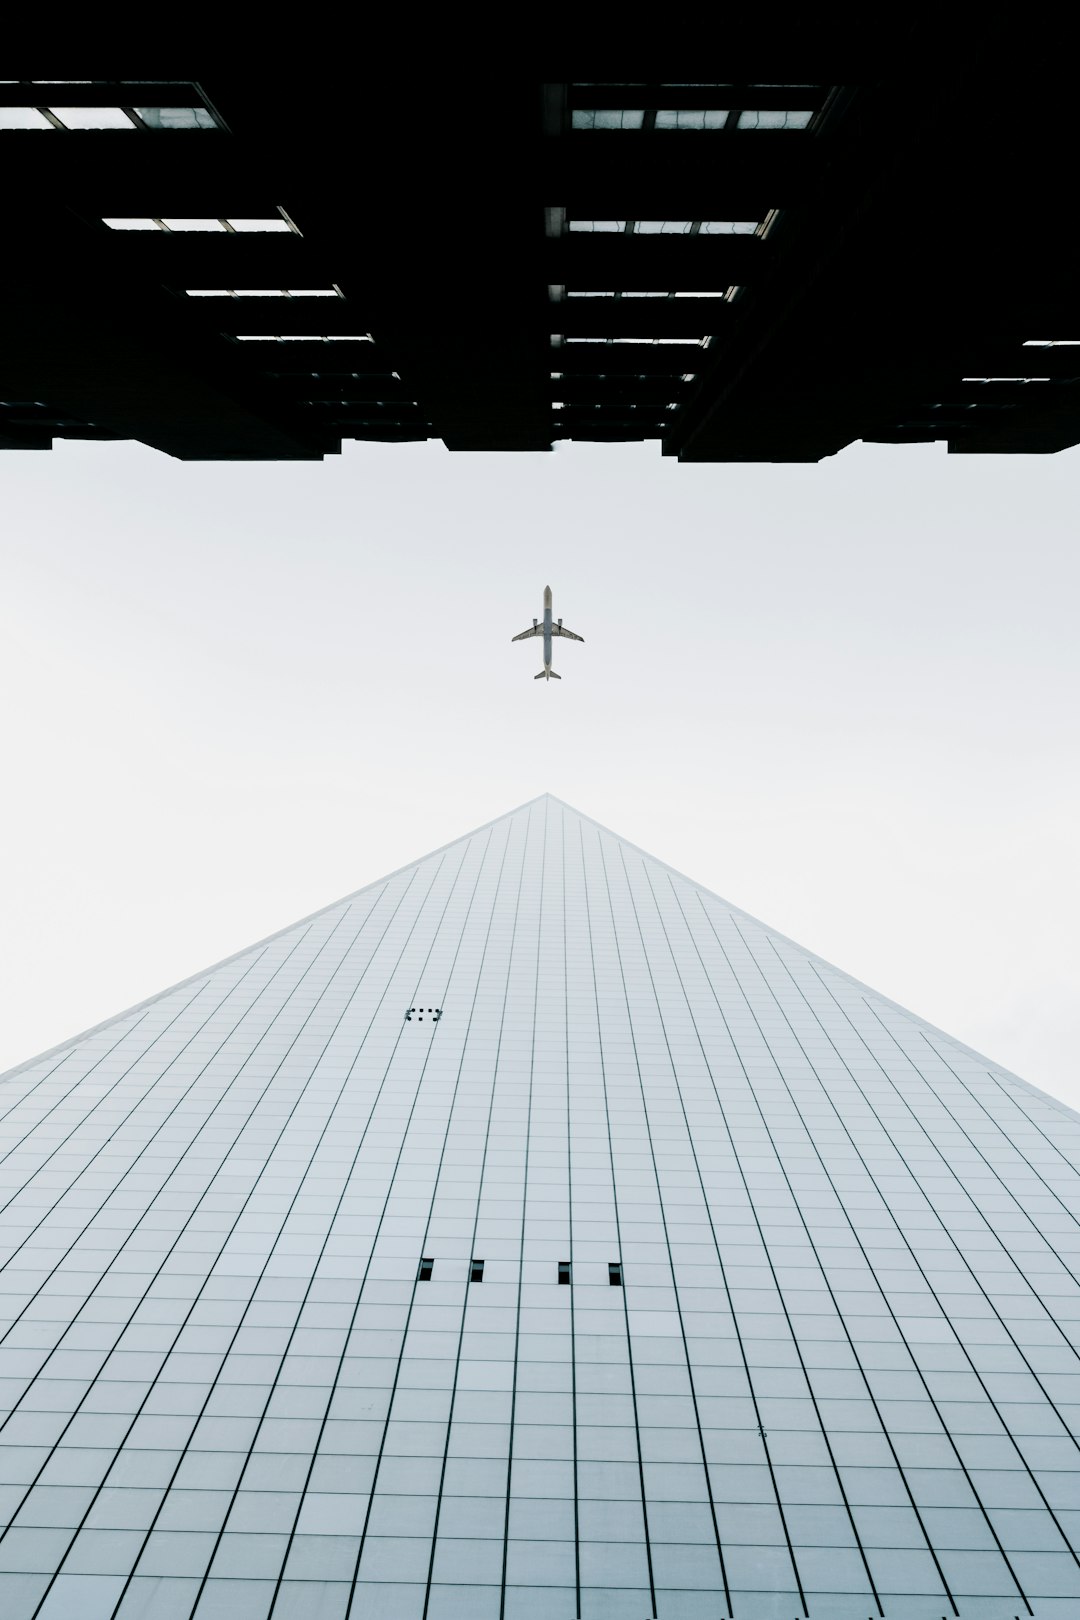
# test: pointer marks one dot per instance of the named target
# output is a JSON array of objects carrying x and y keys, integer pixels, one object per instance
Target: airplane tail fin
[{"x": 547, "y": 675}]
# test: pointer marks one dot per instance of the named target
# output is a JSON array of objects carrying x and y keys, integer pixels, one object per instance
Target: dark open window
[
  {"x": 426, "y": 1268},
  {"x": 564, "y": 1271},
  {"x": 476, "y": 1271},
  {"x": 614, "y": 1274}
]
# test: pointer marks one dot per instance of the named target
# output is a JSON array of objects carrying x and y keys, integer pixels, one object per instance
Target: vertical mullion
[
  {"x": 524, "y": 1207},
  {"x": 972, "y": 1144},
  {"x": 663, "y": 1212},
  {"x": 862, "y": 1247},
  {"x": 787, "y": 1318},
  {"x": 479, "y": 1189},
  {"x": 570, "y": 1217},
  {"x": 618, "y": 1226},
  {"x": 164, "y": 1261},
  {"x": 434, "y": 1190},
  {"x": 58, "y": 1571},
  {"x": 843, "y": 1320}
]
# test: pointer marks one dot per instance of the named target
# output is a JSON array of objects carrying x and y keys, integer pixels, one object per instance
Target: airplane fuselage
[{"x": 549, "y": 630}]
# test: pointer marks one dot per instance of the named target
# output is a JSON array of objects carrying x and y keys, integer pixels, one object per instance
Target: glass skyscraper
[{"x": 534, "y": 1235}]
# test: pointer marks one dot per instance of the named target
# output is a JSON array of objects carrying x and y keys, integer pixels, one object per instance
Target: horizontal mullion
[
  {"x": 319, "y": 317},
  {"x": 660, "y": 360},
  {"x": 651, "y": 97},
  {"x": 392, "y": 401},
  {"x": 653, "y": 263},
  {"x": 601, "y": 391},
  {"x": 163, "y": 93},
  {"x": 374, "y": 381},
  {"x": 639, "y": 199},
  {"x": 210, "y": 258},
  {"x": 407, "y": 433},
  {"x": 1032, "y": 394},
  {"x": 773, "y": 165},
  {"x": 112, "y": 174},
  {"x": 583, "y": 416},
  {"x": 1013, "y": 360},
  {"x": 268, "y": 356},
  {"x": 640, "y": 317},
  {"x": 609, "y": 435},
  {"x": 1015, "y": 435}
]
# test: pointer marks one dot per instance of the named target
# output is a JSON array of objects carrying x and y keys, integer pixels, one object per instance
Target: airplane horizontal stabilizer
[{"x": 548, "y": 675}]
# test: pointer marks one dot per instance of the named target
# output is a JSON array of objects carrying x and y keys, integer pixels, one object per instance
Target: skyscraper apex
[{"x": 530, "y": 1235}]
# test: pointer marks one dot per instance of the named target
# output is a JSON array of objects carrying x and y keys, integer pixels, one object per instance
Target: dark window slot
[
  {"x": 476, "y": 1271},
  {"x": 426, "y": 1268},
  {"x": 614, "y": 1275},
  {"x": 564, "y": 1271}
]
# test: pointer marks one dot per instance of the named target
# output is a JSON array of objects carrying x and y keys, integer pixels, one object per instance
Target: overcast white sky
[{"x": 845, "y": 697}]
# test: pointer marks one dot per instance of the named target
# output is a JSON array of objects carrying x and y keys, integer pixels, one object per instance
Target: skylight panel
[
  {"x": 638, "y": 293},
  {"x": 24, "y": 118},
  {"x": 303, "y": 337},
  {"x": 92, "y": 117},
  {"x": 766, "y": 119},
  {"x": 340, "y": 402},
  {"x": 701, "y": 342},
  {"x": 606, "y": 118},
  {"x": 176, "y": 117},
  {"x": 1052, "y": 343},
  {"x": 268, "y": 224},
  {"x": 691, "y": 118},
  {"x": 230, "y": 226},
  {"x": 666, "y": 227},
  {"x": 193, "y": 224},
  {"x": 262, "y": 292}
]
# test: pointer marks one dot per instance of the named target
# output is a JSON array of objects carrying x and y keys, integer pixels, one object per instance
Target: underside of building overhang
[{"x": 814, "y": 239}]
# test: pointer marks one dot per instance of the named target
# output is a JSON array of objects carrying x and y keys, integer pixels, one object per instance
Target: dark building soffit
[{"x": 880, "y": 295}]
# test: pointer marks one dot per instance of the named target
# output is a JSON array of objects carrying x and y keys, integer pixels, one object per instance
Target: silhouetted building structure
[{"x": 858, "y": 234}]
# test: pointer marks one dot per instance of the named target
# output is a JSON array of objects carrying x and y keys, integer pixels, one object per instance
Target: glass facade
[{"x": 534, "y": 1235}]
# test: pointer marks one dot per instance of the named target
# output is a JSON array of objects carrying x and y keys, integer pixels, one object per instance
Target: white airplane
[{"x": 547, "y": 630}]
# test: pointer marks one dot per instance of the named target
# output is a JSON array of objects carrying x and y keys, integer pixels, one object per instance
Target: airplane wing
[
  {"x": 534, "y": 630},
  {"x": 561, "y": 630}
]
